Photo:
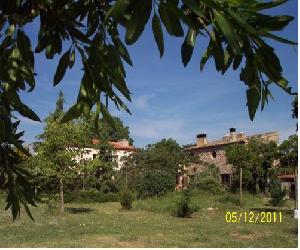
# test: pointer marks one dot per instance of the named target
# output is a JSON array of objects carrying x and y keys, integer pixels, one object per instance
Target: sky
[{"x": 170, "y": 101}]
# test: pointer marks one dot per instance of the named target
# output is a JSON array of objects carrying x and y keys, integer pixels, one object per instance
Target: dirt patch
[{"x": 250, "y": 236}]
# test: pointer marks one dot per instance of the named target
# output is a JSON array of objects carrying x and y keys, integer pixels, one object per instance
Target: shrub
[
  {"x": 126, "y": 198},
  {"x": 277, "y": 194},
  {"x": 51, "y": 204},
  {"x": 183, "y": 208},
  {"x": 154, "y": 183},
  {"x": 207, "y": 180},
  {"x": 91, "y": 195}
]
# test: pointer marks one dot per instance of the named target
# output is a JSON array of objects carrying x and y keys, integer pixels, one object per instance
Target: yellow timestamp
[{"x": 253, "y": 217}]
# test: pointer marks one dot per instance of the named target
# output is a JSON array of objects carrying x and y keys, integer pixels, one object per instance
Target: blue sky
[{"x": 170, "y": 101}]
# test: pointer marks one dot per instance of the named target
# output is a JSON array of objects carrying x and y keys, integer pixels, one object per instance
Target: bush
[
  {"x": 207, "y": 180},
  {"x": 91, "y": 195},
  {"x": 277, "y": 194},
  {"x": 51, "y": 204},
  {"x": 126, "y": 198},
  {"x": 183, "y": 208},
  {"x": 154, "y": 183}
]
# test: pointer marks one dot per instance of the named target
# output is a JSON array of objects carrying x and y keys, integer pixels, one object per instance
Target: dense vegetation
[{"x": 152, "y": 171}]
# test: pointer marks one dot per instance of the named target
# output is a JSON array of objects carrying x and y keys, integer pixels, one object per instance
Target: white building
[{"x": 121, "y": 148}]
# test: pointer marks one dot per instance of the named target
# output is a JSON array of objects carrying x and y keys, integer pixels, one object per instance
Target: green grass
[{"x": 148, "y": 224}]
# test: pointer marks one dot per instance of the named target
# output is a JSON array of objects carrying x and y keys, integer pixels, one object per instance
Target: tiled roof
[
  {"x": 214, "y": 144},
  {"x": 286, "y": 176},
  {"x": 117, "y": 145}
]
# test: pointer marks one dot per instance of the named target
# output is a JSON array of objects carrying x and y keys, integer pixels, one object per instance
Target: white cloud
[{"x": 142, "y": 101}]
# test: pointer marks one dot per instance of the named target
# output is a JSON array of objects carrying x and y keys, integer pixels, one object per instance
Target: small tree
[
  {"x": 126, "y": 198},
  {"x": 183, "y": 208},
  {"x": 277, "y": 194},
  {"x": 58, "y": 148},
  {"x": 105, "y": 165}
]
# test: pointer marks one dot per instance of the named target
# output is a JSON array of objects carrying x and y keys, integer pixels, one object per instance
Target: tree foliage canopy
[
  {"x": 152, "y": 171},
  {"x": 256, "y": 158},
  {"x": 288, "y": 151}
]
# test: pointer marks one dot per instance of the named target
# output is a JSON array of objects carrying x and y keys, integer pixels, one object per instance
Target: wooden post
[
  {"x": 83, "y": 187},
  {"x": 296, "y": 188},
  {"x": 61, "y": 192},
  {"x": 241, "y": 185}
]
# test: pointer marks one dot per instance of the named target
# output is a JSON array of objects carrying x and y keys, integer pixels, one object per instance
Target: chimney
[
  {"x": 201, "y": 140},
  {"x": 232, "y": 134}
]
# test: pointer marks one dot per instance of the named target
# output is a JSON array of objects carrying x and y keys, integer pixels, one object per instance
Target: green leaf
[
  {"x": 241, "y": 22},
  {"x": 278, "y": 38},
  {"x": 170, "y": 20},
  {"x": 19, "y": 106},
  {"x": 26, "y": 111},
  {"x": 187, "y": 47},
  {"x": 24, "y": 45},
  {"x": 268, "y": 5},
  {"x": 43, "y": 41},
  {"x": 62, "y": 67},
  {"x": 50, "y": 51},
  {"x": 217, "y": 51},
  {"x": 274, "y": 23},
  {"x": 205, "y": 57},
  {"x": 10, "y": 30},
  {"x": 193, "y": 5},
  {"x": 187, "y": 19},
  {"x": 72, "y": 59},
  {"x": 158, "y": 34},
  {"x": 237, "y": 61},
  {"x": 28, "y": 211},
  {"x": 227, "y": 61},
  {"x": 140, "y": 15},
  {"x": 107, "y": 117},
  {"x": 253, "y": 98},
  {"x": 75, "y": 33},
  {"x": 118, "y": 9},
  {"x": 228, "y": 32},
  {"x": 123, "y": 51}
]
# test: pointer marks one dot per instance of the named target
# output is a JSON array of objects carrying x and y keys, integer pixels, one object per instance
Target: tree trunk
[
  {"x": 296, "y": 189},
  {"x": 241, "y": 185},
  {"x": 83, "y": 182},
  {"x": 61, "y": 193}
]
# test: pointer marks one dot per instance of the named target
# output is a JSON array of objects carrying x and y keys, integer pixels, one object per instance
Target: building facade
[
  {"x": 213, "y": 152},
  {"x": 120, "y": 149}
]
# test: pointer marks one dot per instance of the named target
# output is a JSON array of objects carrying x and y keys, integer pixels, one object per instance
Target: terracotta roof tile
[
  {"x": 286, "y": 176},
  {"x": 117, "y": 145}
]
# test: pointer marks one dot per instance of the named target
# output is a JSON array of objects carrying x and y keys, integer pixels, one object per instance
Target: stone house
[{"x": 213, "y": 152}]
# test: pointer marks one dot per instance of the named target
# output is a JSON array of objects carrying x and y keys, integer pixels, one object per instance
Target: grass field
[{"x": 148, "y": 224}]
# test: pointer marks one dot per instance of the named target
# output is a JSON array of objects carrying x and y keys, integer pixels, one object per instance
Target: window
[
  {"x": 214, "y": 154},
  {"x": 94, "y": 156}
]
